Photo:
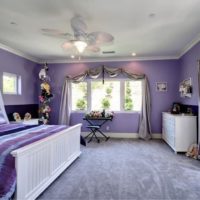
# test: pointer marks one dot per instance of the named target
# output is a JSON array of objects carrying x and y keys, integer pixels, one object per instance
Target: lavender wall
[
  {"x": 27, "y": 70},
  {"x": 170, "y": 71},
  {"x": 189, "y": 69},
  {"x": 166, "y": 71}
]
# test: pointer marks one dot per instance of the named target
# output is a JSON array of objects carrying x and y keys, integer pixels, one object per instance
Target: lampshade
[{"x": 80, "y": 45}]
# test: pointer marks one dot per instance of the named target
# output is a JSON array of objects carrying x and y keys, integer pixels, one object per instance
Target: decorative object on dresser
[
  {"x": 185, "y": 88},
  {"x": 179, "y": 108},
  {"x": 179, "y": 131},
  {"x": 45, "y": 96},
  {"x": 176, "y": 108}
]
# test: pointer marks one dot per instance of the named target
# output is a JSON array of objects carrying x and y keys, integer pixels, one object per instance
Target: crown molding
[
  {"x": 189, "y": 46},
  {"x": 18, "y": 53},
  {"x": 103, "y": 59},
  {"x": 70, "y": 60}
]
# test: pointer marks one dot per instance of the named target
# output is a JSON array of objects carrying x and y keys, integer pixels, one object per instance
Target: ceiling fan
[{"x": 81, "y": 39}]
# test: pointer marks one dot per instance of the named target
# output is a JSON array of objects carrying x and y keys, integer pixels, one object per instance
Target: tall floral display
[{"x": 45, "y": 96}]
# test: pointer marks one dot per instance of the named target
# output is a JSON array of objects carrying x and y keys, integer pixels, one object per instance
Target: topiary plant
[
  {"x": 105, "y": 103},
  {"x": 81, "y": 104}
]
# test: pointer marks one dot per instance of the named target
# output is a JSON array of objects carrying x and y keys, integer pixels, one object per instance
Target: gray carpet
[{"x": 128, "y": 169}]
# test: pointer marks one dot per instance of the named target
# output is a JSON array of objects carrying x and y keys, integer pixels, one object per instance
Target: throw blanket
[
  {"x": 12, "y": 141},
  {"x": 6, "y": 129}
]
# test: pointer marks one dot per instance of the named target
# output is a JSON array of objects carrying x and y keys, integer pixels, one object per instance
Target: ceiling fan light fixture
[
  {"x": 80, "y": 45},
  {"x": 133, "y": 54}
]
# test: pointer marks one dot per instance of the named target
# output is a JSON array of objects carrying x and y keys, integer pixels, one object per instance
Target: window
[
  {"x": 105, "y": 96},
  {"x": 117, "y": 95},
  {"x": 11, "y": 83},
  {"x": 133, "y": 96},
  {"x": 79, "y": 96}
]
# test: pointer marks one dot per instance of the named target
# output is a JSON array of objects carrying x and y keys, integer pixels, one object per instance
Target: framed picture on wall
[
  {"x": 161, "y": 86},
  {"x": 185, "y": 88}
]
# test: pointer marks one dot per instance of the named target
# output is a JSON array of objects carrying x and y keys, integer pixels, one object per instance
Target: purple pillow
[{"x": 2, "y": 118}]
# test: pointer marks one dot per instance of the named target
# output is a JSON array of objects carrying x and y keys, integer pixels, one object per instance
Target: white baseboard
[{"x": 124, "y": 135}]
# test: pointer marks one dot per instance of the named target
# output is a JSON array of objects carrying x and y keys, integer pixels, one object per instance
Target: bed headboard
[{"x": 22, "y": 109}]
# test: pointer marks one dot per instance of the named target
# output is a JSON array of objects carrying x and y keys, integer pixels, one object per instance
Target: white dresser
[{"x": 179, "y": 131}]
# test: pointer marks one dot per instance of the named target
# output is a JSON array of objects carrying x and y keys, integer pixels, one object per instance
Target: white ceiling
[{"x": 173, "y": 29}]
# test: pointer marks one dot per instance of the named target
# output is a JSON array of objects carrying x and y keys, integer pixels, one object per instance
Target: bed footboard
[{"x": 39, "y": 164}]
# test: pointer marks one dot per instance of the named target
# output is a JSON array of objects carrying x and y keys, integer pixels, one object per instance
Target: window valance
[{"x": 109, "y": 71}]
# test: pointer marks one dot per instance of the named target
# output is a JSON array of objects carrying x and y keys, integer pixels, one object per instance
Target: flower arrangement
[
  {"x": 98, "y": 114},
  {"x": 95, "y": 114}
]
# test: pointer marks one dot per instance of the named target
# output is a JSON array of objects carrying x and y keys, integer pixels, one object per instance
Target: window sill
[
  {"x": 115, "y": 112},
  {"x": 5, "y": 93}
]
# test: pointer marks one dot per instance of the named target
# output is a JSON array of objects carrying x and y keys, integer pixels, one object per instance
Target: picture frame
[
  {"x": 185, "y": 88},
  {"x": 161, "y": 86}
]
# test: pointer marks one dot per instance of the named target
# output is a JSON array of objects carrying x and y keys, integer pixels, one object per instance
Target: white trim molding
[
  {"x": 189, "y": 46},
  {"x": 124, "y": 135},
  {"x": 113, "y": 59},
  {"x": 18, "y": 53}
]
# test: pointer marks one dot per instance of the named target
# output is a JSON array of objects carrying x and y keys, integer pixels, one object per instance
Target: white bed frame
[{"x": 40, "y": 163}]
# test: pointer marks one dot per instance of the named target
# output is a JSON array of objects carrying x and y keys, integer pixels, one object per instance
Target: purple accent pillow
[{"x": 2, "y": 118}]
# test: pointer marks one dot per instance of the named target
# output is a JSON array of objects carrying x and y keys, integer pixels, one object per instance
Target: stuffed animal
[
  {"x": 46, "y": 109},
  {"x": 27, "y": 116},
  {"x": 45, "y": 86},
  {"x": 16, "y": 116},
  {"x": 193, "y": 151},
  {"x": 43, "y": 72}
]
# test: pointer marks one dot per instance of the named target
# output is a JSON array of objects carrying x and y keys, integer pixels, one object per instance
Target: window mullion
[
  {"x": 122, "y": 97},
  {"x": 89, "y": 95}
]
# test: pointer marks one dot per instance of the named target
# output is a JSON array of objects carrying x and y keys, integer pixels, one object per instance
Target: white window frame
[
  {"x": 18, "y": 85},
  {"x": 122, "y": 92}
]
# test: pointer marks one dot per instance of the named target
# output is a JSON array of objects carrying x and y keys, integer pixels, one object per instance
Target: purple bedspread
[{"x": 13, "y": 141}]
